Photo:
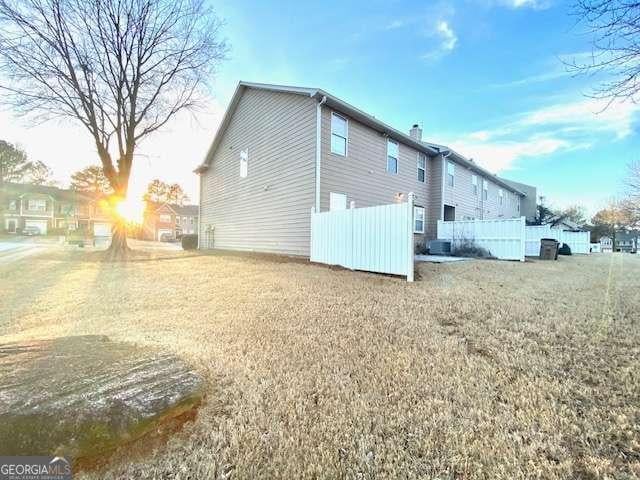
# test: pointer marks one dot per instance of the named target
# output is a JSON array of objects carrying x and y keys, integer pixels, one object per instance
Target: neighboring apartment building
[
  {"x": 282, "y": 151},
  {"x": 165, "y": 220},
  {"x": 528, "y": 203},
  {"x": 51, "y": 209}
]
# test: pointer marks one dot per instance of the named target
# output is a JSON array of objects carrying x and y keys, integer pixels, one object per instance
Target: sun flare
[{"x": 130, "y": 209}]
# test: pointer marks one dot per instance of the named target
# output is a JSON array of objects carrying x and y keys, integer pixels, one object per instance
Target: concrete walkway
[{"x": 440, "y": 259}]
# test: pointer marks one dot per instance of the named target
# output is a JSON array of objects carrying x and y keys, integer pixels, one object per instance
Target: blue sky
[{"x": 483, "y": 76}]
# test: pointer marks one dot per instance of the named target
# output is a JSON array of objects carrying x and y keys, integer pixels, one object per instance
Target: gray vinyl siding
[
  {"x": 468, "y": 205},
  {"x": 269, "y": 210},
  {"x": 362, "y": 174},
  {"x": 434, "y": 212},
  {"x": 528, "y": 204}
]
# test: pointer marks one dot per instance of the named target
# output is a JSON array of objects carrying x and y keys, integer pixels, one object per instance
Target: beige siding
[
  {"x": 362, "y": 174},
  {"x": 468, "y": 205},
  {"x": 269, "y": 210},
  {"x": 435, "y": 197}
]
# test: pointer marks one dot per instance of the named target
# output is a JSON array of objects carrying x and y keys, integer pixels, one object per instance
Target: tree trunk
[{"x": 118, "y": 250}]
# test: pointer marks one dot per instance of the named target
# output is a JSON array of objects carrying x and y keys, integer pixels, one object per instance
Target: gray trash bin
[{"x": 549, "y": 249}]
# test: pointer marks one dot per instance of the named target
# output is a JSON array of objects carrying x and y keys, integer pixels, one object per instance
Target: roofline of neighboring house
[
  {"x": 52, "y": 192},
  {"x": 332, "y": 101},
  {"x": 168, "y": 205}
]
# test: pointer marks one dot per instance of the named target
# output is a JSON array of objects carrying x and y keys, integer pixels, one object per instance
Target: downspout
[
  {"x": 199, "y": 206},
  {"x": 318, "y": 146},
  {"x": 444, "y": 179}
]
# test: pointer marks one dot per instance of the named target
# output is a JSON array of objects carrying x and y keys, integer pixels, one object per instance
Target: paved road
[{"x": 12, "y": 250}]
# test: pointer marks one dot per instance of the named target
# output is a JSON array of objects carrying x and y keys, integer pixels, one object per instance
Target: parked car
[
  {"x": 166, "y": 237},
  {"x": 31, "y": 230}
]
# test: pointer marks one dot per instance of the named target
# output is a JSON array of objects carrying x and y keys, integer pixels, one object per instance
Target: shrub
[
  {"x": 189, "y": 242},
  {"x": 564, "y": 250},
  {"x": 469, "y": 249},
  {"x": 56, "y": 231},
  {"x": 422, "y": 249}
]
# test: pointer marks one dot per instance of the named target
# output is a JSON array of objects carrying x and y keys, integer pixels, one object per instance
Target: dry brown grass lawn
[{"x": 480, "y": 370}]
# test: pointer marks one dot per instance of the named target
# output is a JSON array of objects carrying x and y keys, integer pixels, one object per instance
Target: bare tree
[
  {"x": 631, "y": 204},
  {"x": 122, "y": 68},
  {"x": 614, "y": 26}
]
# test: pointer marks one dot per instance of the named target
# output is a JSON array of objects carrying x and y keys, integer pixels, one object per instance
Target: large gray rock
[{"x": 82, "y": 397}]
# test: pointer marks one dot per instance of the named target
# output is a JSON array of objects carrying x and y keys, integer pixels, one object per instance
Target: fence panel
[
  {"x": 536, "y": 233},
  {"x": 374, "y": 239},
  {"x": 579, "y": 242},
  {"x": 504, "y": 238}
]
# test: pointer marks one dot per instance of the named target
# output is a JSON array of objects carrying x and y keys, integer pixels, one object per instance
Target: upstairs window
[
  {"x": 244, "y": 163},
  {"x": 37, "y": 205},
  {"x": 451, "y": 172},
  {"x": 474, "y": 184},
  {"x": 422, "y": 167},
  {"x": 392, "y": 156},
  {"x": 485, "y": 190},
  {"x": 500, "y": 197},
  {"x": 13, "y": 205},
  {"x": 418, "y": 219},
  {"x": 517, "y": 205},
  {"x": 165, "y": 218},
  {"x": 339, "y": 134}
]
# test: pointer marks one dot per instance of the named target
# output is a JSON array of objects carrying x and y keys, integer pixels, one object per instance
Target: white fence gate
[
  {"x": 374, "y": 239},
  {"x": 579, "y": 242},
  {"x": 504, "y": 238}
]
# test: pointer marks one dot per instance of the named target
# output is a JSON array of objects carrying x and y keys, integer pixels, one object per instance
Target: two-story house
[
  {"x": 282, "y": 151},
  {"x": 49, "y": 209},
  {"x": 627, "y": 241},
  {"x": 169, "y": 221}
]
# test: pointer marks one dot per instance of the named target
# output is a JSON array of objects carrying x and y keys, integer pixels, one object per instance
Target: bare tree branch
[{"x": 614, "y": 27}]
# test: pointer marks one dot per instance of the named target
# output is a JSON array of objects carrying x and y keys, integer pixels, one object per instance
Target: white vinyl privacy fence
[
  {"x": 374, "y": 239},
  {"x": 504, "y": 238},
  {"x": 579, "y": 242}
]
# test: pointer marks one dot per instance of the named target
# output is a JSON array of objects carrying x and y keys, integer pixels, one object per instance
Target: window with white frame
[
  {"x": 177, "y": 219},
  {"x": 422, "y": 167},
  {"x": 517, "y": 204},
  {"x": 392, "y": 156},
  {"x": 191, "y": 220},
  {"x": 418, "y": 219},
  {"x": 451, "y": 172},
  {"x": 485, "y": 190},
  {"x": 165, "y": 218},
  {"x": 474, "y": 184},
  {"x": 37, "y": 205},
  {"x": 337, "y": 201},
  {"x": 500, "y": 196},
  {"x": 244, "y": 163},
  {"x": 339, "y": 134}
]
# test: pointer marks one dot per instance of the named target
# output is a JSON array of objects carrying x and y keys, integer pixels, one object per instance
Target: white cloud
[
  {"x": 395, "y": 24},
  {"x": 560, "y": 127},
  {"x": 447, "y": 40},
  {"x": 542, "y": 77},
  {"x": 587, "y": 116},
  {"x": 533, "y": 4},
  {"x": 501, "y": 155}
]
